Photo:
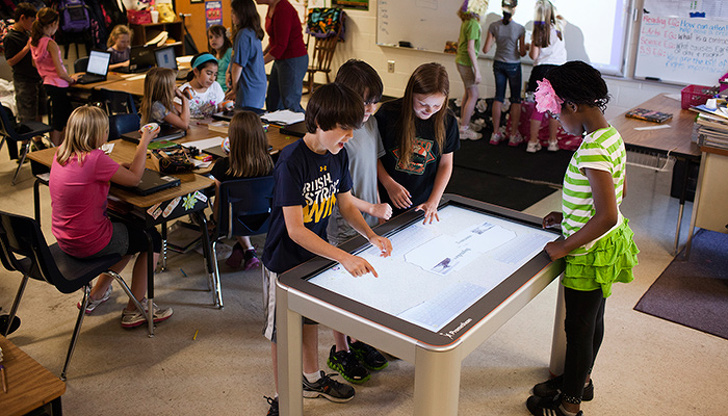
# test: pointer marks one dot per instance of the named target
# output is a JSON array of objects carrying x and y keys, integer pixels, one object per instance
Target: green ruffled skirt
[{"x": 610, "y": 260}]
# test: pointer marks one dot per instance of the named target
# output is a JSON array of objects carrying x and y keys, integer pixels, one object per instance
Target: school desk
[
  {"x": 156, "y": 208},
  {"x": 671, "y": 142},
  {"x": 446, "y": 288},
  {"x": 30, "y": 385},
  {"x": 711, "y": 198}
]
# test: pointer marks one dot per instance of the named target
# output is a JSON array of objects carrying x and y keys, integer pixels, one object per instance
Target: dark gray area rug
[
  {"x": 495, "y": 189},
  {"x": 694, "y": 293}
]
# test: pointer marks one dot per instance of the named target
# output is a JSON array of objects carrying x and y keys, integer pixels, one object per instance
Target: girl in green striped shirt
[{"x": 598, "y": 247}]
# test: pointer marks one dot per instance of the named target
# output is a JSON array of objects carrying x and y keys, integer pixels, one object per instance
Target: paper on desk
[
  {"x": 201, "y": 164},
  {"x": 661, "y": 126},
  {"x": 184, "y": 59},
  {"x": 284, "y": 117},
  {"x": 205, "y": 143}
]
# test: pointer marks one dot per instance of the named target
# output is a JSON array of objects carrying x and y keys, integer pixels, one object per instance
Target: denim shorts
[{"x": 507, "y": 72}]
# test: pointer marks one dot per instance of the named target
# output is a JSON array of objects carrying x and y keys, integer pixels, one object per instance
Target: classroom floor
[{"x": 647, "y": 366}]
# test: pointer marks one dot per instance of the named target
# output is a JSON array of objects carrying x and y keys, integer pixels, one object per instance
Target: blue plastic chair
[{"x": 244, "y": 210}]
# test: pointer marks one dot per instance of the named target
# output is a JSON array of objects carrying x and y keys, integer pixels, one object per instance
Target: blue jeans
[
  {"x": 507, "y": 72},
  {"x": 285, "y": 84}
]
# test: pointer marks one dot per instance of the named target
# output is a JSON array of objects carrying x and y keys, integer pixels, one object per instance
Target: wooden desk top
[
  {"x": 133, "y": 86},
  {"x": 30, "y": 385},
  {"x": 111, "y": 77},
  {"x": 675, "y": 140}
]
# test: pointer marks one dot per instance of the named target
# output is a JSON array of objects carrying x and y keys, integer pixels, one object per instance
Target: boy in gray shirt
[{"x": 349, "y": 357}]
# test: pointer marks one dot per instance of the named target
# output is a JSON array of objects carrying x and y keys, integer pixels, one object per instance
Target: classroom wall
[{"x": 361, "y": 44}]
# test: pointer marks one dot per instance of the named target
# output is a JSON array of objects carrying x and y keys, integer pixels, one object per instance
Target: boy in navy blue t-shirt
[{"x": 312, "y": 176}]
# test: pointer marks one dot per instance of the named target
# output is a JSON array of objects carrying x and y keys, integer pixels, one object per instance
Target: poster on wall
[
  {"x": 316, "y": 3},
  {"x": 213, "y": 13},
  {"x": 351, "y": 4}
]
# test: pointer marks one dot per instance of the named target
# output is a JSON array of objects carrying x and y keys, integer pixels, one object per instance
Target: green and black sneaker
[
  {"x": 348, "y": 366},
  {"x": 368, "y": 355}
]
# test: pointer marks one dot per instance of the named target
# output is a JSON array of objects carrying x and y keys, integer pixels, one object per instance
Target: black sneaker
[
  {"x": 552, "y": 387},
  {"x": 273, "y": 410},
  {"x": 328, "y": 388},
  {"x": 348, "y": 366},
  {"x": 546, "y": 406},
  {"x": 368, "y": 355}
]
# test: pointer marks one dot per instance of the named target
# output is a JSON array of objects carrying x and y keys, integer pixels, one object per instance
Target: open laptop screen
[
  {"x": 166, "y": 58},
  {"x": 98, "y": 63}
]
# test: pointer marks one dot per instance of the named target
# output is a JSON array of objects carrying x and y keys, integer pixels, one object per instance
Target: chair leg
[
  {"x": 2, "y": 143},
  {"x": 163, "y": 265},
  {"x": 76, "y": 330},
  {"x": 217, "y": 295},
  {"x": 120, "y": 280},
  {"x": 16, "y": 303},
  {"x": 21, "y": 159}
]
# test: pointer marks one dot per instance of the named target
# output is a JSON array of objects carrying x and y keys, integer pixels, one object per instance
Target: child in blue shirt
[{"x": 311, "y": 177}]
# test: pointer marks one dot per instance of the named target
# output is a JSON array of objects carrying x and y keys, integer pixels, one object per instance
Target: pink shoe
[
  {"x": 496, "y": 138},
  {"x": 251, "y": 259}
]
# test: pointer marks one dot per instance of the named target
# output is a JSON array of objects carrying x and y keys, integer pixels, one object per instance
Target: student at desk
[
  {"x": 118, "y": 44},
  {"x": 158, "y": 103},
  {"x": 311, "y": 176},
  {"x": 79, "y": 186}
]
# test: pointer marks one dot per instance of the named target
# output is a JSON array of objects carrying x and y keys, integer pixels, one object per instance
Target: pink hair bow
[{"x": 546, "y": 98}]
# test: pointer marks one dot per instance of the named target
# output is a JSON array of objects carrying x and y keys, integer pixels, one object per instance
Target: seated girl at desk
[
  {"x": 204, "y": 93},
  {"x": 80, "y": 178},
  {"x": 158, "y": 103},
  {"x": 118, "y": 43},
  {"x": 249, "y": 158}
]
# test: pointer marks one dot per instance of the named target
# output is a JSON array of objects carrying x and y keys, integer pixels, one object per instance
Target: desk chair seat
[
  {"x": 244, "y": 210},
  {"x": 80, "y": 64},
  {"x": 18, "y": 133},
  {"x": 24, "y": 249}
]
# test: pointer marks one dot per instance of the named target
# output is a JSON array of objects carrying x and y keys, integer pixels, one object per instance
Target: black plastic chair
[
  {"x": 80, "y": 64},
  {"x": 244, "y": 210},
  {"x": 122, "y": 123},
  {"x": 117, "y": 102},
  {"x": 19, "y": 133},
  {"x": 24, "y": 249}
]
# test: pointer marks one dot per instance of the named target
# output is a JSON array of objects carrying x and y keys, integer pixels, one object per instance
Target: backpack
[{"x": 74, "y": 16}]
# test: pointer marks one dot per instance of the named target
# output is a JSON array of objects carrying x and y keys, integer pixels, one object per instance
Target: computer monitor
[
  {"x": 98, "y": 63},
  {"x": 166, "y": 58}
]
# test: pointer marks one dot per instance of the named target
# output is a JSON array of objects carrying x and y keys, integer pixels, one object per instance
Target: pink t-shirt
[
  {"x": 44, "y": 63},
  {"x": 78, "y": 203}
]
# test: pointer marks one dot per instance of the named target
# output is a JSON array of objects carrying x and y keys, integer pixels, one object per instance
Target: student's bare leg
[
  {"x": 139, "y": 278},
  {"x": 497, "y": 108},
  {"x": 104, "y": 280},
  {"x": 57, "y": 137},
  {"x": 533, "y": 134},
  {"x": 340, "y": 341},
  {"x": 553, "y": 130},
  {"x": 310, "y": 349},
  {"x": 468, "y": 106},
  {"x": 515, "y": 113},
  {"x": 244, "y": 242}
]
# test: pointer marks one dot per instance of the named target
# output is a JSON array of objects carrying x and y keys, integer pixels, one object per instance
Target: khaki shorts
[{"x": 467, "y": 74}]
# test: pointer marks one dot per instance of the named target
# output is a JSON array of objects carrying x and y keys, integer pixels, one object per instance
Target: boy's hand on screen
[
  {"x": 556, "y": 249},
  {"x": 383, "y": 244},
  {"x": 399, "y": 195},
  {"x": 430, "y": 210},
  {"x": 383, "y": 211},
  {"x": 357, "y": 266},
  {"x": 552, "y": 219}
]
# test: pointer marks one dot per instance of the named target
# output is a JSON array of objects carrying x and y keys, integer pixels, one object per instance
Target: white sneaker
[
  {"x": 553, "y": 146},
  {"x": 515, "y": 140},
  {"x": 132, "y": 319},
  {"x": 468, "y": 134},
  {"x": 496, "y": 138},
  {"x": 93, "y": 303},
  {"x": 533, "y": 147}
]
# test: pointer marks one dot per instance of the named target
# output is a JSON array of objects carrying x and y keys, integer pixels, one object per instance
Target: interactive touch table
[{"x": 446, "y": 288}]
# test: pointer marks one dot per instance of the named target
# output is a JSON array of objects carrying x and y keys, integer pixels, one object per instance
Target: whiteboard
[
  {"x": 682, "y": 49},
  {"x": 428, "y": 24}
]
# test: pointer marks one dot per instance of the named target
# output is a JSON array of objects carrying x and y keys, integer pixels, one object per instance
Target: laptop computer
[
  {"x": 166, "y": 132},
  {"x": 97, "y": 68},
  {"x": 295, "y": 129},
  {"x": 141, "y": 58},
  {"x": 166, "y": 58},
  {"x": 153, "y": 181}
]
